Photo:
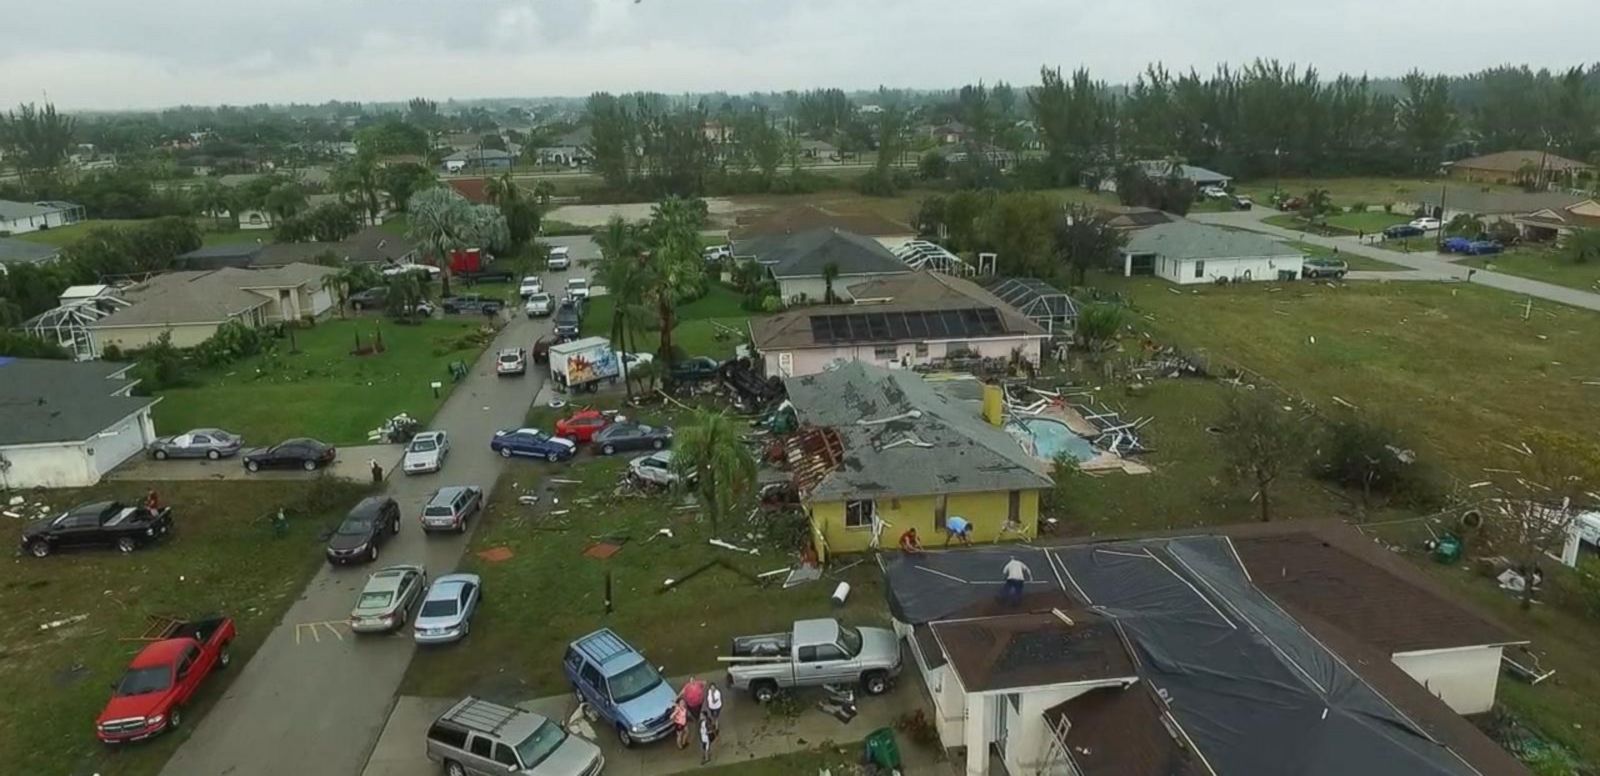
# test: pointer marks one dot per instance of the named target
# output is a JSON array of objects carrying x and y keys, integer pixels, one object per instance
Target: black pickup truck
[
  {"x": 471, "y": 303},
  {"x": 102, "y": 523}
]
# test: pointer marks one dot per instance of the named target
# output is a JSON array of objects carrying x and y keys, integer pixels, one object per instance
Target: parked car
[
  {"x": 529, "y": 286},
  {"x": 1243, "y": 203},
  {"x": 427, "y": 271},
  {"x": 368, "y": 299},
  {"x": 100, "y": 523},
  {"x": 539, "y": 305},
  {"x": 1323, "y": 268},
  {"x": 1427, "y": 224},
  {"x": 1455, "y": 244},
  {"x": 476, "y": 304},
  {"x": 1291, "y": 203},
  {"x": 422, "y": 309},
  {"x": 695, "y": 369},
  {"x": 655, "y": 469},
  {"x": 162, "y": 678},
  {"x": 447, "y": 609},
  {"x": 631, "y": 436},
  {"x": 448, "y": 508},
  {"x": 299, "y": 453},
  {"x": 620, "y": 686},
  {"x": 541, "y": 349},
  {"x": 385, "y": 603},
  {"x": 815, "y": 652},
  {"x": 578, "y": 288},
  {"x": 581, "y": 426},
  {"x": 1213, "y": 192},
  {"x": 560, "y": 258},
  {"x": 511, "y": 361},
  {"x": 1399, "y": 231},
  {"x": 369, "y": 523},
  {"x": 1483, "y": 248},
  {"x": 479, "y": 738},
  {"x": 426, "y": 453},
  {"x": 717, "y": 253},
  {"x": 533, "y": 443},
  {"x": 567, "y": 320},
  {"x": 210, "y": 443}
]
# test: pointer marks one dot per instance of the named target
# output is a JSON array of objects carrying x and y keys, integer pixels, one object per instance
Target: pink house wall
[{"x": 813, "y": 360}]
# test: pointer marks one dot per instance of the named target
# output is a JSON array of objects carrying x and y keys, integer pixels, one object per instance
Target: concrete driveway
[
  {"x": 748, "y": 732},
  {"x": 352, "y": 463},
  {"x": 314, "y": 699}
]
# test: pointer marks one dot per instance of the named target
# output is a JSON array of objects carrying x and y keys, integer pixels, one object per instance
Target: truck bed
[
  {"x": 200, "y": 630},
  {"x": 774, "y": 645}
]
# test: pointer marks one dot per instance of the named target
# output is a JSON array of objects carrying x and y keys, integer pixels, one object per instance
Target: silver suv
[
  {"x": 449, "y": 508},
  {"x": 480, "y": 738}
]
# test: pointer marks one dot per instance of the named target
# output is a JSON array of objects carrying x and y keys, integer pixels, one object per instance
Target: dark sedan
[
  {"x": 533, "y": 443},
  {"x": 1402, "y": 231},
  {"x": 695, "y": 369},
  {"x": 308, "y": 454},
  {"x": 369, "y": 299},
  {"x": 110, "y": 523},
  {"x": 631, "y": 436},
  {"x": 210, "y": 443},
  {"x": 369, "y": 523}
]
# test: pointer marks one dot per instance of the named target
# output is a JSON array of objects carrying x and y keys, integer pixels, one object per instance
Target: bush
[
  {"x": 231, "y": 342},
  {"x": 19, "y": 345},
  {"x": 161, "y": 366},
  {"x": 1098, "y": 324},
  {"x": 1358, "y": 207},
  {"x": 877, "y": 183},
  {"x": 1388, "y": 207},
  {"x": 1504, "y": 232},
  {"x": 1372, "y": 457}
]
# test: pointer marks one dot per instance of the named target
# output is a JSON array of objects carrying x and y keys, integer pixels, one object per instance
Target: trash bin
[
  {"x": 458, "y": 370},
  {"x": 882, "y": 751}
]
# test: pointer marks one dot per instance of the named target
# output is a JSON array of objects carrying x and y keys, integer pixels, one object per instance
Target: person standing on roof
[
  {"x": 958, "y": 528},
  {"x": 1017, "y": 574}
]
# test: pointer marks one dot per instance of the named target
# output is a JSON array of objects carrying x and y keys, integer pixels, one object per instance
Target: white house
[
  {"x": 64, "y": 424},
  {"x": 1186, "y": 253},
  {"x": 801, "y": 262},
  {"x": 24, "y": 217},
  {"x": 191, "y": 305}
]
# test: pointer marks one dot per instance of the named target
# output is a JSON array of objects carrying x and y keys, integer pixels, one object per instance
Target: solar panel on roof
[{"x": 931, "y": 324}]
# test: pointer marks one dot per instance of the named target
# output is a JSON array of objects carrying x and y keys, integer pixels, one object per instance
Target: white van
[{"x": 560, "y": 258}]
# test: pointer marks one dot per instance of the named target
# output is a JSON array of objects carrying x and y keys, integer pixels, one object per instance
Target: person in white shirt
[
  {"x": 714, "y": 706},
  {"x": 1016, "y": 574}
]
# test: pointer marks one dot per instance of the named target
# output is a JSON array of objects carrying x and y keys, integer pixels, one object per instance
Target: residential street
[
  {"x": 1423, "y": 266},
  {"x": 315, "y": 698}
]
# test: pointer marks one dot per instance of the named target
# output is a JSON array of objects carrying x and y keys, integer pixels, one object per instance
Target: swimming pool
[{"x": 1046, "y": 438}]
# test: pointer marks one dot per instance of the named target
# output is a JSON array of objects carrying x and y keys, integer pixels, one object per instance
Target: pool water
[{"x": 1047, "y": 438}]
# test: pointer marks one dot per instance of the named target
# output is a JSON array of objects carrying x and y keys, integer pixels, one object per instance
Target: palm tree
[
  {"x": 285, "y": 201},
  {"x": 712, "y": 462},
  {"x": 626, "y": 279},
  {"x": 358, "y": 180},
  {"x": 830, "y": 273},
  {"x": 350, "y": 277},
  {"x": 215, "y": 200},
  {"x": 404, "y": 294},
  {"x": 1318, "y": 202},
  {"x": 441, "y": 221},
  {"x": 674, "y": 262}
]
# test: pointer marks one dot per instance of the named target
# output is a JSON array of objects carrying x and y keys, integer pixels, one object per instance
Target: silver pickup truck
[{"x": 815, "y": 652}]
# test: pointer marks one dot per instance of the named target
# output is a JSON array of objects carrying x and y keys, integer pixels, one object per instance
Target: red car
[
  {"x": 581, "y": 425},
  {"x": 150, "y": 697}
]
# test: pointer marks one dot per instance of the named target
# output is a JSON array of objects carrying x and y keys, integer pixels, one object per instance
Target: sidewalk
[{"x": 748, "y": 732}]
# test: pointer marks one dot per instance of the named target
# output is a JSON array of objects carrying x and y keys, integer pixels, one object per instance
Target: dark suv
[{"x": 567, "y": 320}]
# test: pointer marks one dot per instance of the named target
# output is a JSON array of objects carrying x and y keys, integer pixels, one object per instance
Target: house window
[
  {"x": 922, "y": 350},
  {"x": 953, "y": 349},
  {"x": 884, "y": 352},
  {"x": 1014, "y": 506},
  {"x": 1200, "y": 269},
  {"x": 858, "y": 514}
]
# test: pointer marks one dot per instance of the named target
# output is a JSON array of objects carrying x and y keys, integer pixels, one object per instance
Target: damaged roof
[
  {"x": 1034, "y": 650},
  {"x": 902, "y": 437}
]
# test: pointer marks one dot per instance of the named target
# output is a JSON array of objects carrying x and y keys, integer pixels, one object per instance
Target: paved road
[
  {"x": 1423, "y": 266},
  {"x": 315, "y": 698}
]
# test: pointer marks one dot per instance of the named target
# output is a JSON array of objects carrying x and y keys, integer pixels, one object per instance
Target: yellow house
[{"x": 881, "y": 451}]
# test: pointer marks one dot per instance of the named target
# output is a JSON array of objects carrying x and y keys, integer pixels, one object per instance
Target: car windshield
[
  {"x": 538, "y": 746},
  {"x": 424, "y": 446},
  {"x": 577, "y": 283},
  {"x": 355, "y": 526},
  {"x": 375, "y": 599},
  {"x": 850, "y": 639},
  {"x": 139, "y": 681},
  {"x": 438, "y": 608},
  {"x": 634, "y": 682},
  {"x": 508, "y": 358}
]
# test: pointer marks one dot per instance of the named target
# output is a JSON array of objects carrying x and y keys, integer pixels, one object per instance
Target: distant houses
[{"x": 24, "y": 217}]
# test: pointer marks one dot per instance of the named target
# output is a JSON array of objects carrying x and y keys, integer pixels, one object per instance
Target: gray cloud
[{"x": 117, "y": 54}]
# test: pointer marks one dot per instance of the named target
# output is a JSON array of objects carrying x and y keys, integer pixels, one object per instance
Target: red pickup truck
[{"x": 149, "y": 698}]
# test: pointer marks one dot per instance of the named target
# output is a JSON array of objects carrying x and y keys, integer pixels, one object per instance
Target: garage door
[{"x": 119, "y": 443}]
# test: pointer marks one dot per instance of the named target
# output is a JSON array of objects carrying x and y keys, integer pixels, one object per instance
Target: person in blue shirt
[{"x": 959, "y": 528}]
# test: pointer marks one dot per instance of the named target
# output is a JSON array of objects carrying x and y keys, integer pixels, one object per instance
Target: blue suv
[{"x": 620, "y": 686}]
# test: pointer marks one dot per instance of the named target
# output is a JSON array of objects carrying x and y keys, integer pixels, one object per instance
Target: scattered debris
[
  {"x": 667, "y": 532},
  {"x": 53, "y": 624},
  {"x": 1343, "y": 403},
  {"x": 496, "y": 554},
  {"x": 602, "y": 550},
  {"x": 801, "y": 575},
  {"x": 15, "y": 501},
  {"x": 561, "y": 481},
  {"x": 736, "y": 548},
  {"x": 528, "y": 499}
]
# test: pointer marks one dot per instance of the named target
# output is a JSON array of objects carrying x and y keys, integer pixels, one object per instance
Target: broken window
[{"x": 858, "y": 514}]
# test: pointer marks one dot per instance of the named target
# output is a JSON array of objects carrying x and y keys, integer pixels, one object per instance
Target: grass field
[
  {"x": 549, "y": 592},
  {"x": 65, "y": 235},
  {"x": 1368, "y": 222},
  {"x": 696, "y": 332},
  {"x": 323, "y": 391},
  {"x": 1541, "y": 264},
  {"x": 222, "y": 559},
  {"x": 1346, "y": 191}
]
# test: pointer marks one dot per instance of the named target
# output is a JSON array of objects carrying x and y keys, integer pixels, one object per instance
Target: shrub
[
  {"x": 773, "y": 303},
  {"x": 1358, "y": 207},
  {"x": 1098, "y": 324},
  {"x": 161, "y": 366},
  {"x": 1372, "y": 457},
  {"x": 1388, "y": 207},
  {"x": 20, "y": 345},
  {"x": 918, "y": 728}
]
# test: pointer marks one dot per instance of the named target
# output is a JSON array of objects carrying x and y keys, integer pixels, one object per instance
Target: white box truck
[{"x": 582, "y": 364}]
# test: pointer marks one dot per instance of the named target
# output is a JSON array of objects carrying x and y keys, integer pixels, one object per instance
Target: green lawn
[
  {"x": 1540, "y": 263},
  {"x": 222, "y": 559},
  {"x": 323, "y": 391},
  {"x": 697, "y": 331},
  {"x": 549, "y": 592},
  {"x": 1368, "y": 222},
  {"x": 66, "y": 235},
  {"x": 1345, "y": 191},
  {"x": 1354, "y": 261}
]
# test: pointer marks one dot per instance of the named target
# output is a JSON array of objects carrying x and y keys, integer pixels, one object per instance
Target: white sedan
[
  {"x": 539, "y": 305},
  {"x": 1428, "y": 224},
  {"x": 426, "y": 452},
  {"x": 529, "y": 286}
]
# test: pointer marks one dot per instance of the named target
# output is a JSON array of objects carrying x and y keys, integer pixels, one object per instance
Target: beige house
[
  {"x": 1537, "y": 167},
  {"x": 191, "y": 305}
]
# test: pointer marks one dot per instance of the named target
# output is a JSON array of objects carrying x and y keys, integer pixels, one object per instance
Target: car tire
[
  {"x": 608, "y": 450},
  {"x": 624, "y": 737},
  {"x": 309, "y": 466},
  {"x": 656, "y": 444},
  {"x": 161, "y": 455},
  {"x": 213, "y": 455},
  {"x": 466, "y": 627},
  {"x": 764, "y": 691},
  {"x": 453, "y": 768},
  {"x": 505, "y": 452},
  {"x": 175, "y": 718},
  {"x": 372, "y": 554},
  {"x": 252, "y": 466},
  {"x": 225, "y": 657},
  {"x": 552, "y": 457},
  {"x": 875, "y": 682},
  {"x": 39, "y": 549},
  {"x": 394, "y": 526},
  {"x": 126, "y": 545}
]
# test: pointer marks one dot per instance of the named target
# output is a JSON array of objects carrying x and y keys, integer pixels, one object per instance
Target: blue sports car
[{"x": 533, "y": 443}]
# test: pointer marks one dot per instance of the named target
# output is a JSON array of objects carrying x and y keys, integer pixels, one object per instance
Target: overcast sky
[{"x": 122, "y": 54}]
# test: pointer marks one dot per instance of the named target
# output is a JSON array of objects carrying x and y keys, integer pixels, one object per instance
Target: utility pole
[{"x": 1438, "y": 240}]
